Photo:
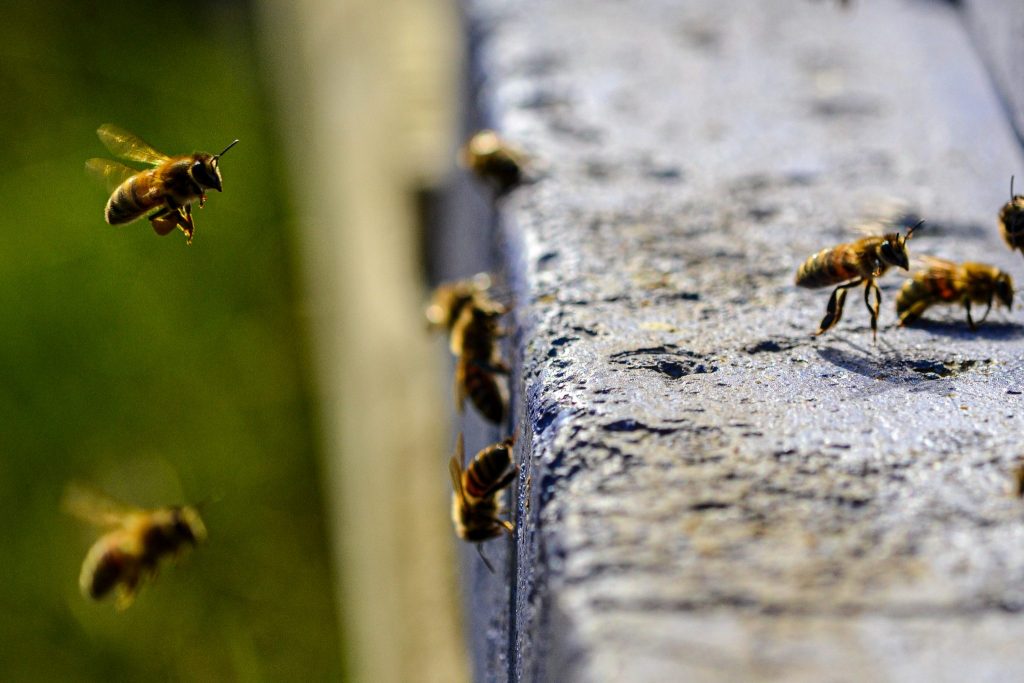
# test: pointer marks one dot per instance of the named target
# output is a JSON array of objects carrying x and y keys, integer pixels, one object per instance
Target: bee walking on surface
[
  {"x": 945, "y": 282},
  {"x": 473, "y": 341},
  {"x": 165, "y": 192},
  {"x": 132, "y": 550},
  {"x": 494, "y": 160},
  {"x": 475, "y": 505},
  {"x": 851, "y": 265},
  {"x": 1011, "y": 221}
]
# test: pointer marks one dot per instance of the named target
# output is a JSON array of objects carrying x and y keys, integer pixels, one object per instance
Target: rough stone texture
[{"x": 708, "y": 492}]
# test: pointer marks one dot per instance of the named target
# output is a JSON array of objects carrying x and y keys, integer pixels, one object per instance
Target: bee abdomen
[
  {"x": 486, "y": 470},
  {"x": 126, "y": 203},
  {"x": 483, "y": 390},
  {"x": 914, "y": 294},
  {"x": 825, "y": 268}
]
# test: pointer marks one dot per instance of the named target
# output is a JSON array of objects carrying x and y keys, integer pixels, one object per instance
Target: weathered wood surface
[{"x": 707, "y": 491}]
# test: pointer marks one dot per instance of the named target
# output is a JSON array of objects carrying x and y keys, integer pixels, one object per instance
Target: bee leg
[
  {"x": 872, "y": 285},
  {"x": 185, "y": 222},
  {"x": 202, "y": 200},
  {"x": 487, "y": 563},
  {"x": 834, "y": 310},
  {"x": 987, "y": 309},
  {"x": 910, "y": 316}
]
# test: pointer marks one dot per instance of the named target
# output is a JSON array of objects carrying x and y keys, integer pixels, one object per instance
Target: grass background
[{"x": 157, "y": 372}]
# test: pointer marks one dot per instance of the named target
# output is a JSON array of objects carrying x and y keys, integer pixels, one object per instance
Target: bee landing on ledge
[
  {"x": 851, "y": 265},
  {"x": 945, "y": 282},
  {"x": 168, "y": 190},
  {"x": 475, "y": 504},
  {"x": 137, "y": 542}
]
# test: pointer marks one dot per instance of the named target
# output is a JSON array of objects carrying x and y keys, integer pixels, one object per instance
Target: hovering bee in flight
[
  {"x": 137, "y": 541},
  {"x": 1011, "y": 221},
  {"x": 494, "y": 160},
  {"x": 945, "y": 282},
  {"x": 165, "y": 192},
  {"x": 851, "y": 265},
  {"x": 475, "y": 505}
]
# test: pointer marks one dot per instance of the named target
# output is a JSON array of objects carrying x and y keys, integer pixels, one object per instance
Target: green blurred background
[{"x": 156, "y": 372}]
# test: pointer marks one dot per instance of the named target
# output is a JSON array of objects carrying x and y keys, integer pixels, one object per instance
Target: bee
[
  {"x": 494, "y": 160},
  {"x": 474, "y": 343},
  {"x": 448, "y": 300},
  {"x": 166, "y": 192},
  {"x": 851, "y": 265},
  {"x": 475, "y": 505},
  {"x": 1011, "y": 220},
  {"x": 131, "y": 551},
  {"x": 945, "y": 282}
]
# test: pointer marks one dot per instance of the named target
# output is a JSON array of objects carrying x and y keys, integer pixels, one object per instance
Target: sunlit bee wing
[
  {"x": 888, "y": 215},
  {"x": 94, "y": 507},
  {"x": 455, "y": 469},
  {"x": 110, "y": 173},
  {"x": 129, "y": 146}
]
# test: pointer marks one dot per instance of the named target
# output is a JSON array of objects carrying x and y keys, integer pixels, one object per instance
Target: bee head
[
  {"x": 1004, "y": 289},
  {"x": 206, "y": 171},
  {"x": 188, "y": 526},
  {"x": 893, "y": 249}
]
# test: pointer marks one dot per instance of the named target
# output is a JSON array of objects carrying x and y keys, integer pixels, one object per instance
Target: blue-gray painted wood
[{"x": 708, "y": 492}]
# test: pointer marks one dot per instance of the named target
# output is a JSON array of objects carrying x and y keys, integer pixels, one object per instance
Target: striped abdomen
[
  {"x": 836, "y": 265},
  {"x": 134, "y": 198},
  {"x": 487, "y": 469}
]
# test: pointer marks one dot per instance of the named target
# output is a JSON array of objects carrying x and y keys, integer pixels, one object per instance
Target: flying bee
[
  {"x": 851, "y": 265},
  {"x": 474, "y": 343},
  {"x": 475, "y": 505},
  {"x": 166, "y": 192},
  {"x": 945, "y": 282},
  {"x": 448, "y": 300},
  {"x": 1011, "y": 221},
  {"x": 131, "y": 551},
  {"x": 494, "y": 160}
]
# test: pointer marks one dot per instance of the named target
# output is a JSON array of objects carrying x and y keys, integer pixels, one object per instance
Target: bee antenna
[
  {"x": 911, "y": 231},
  {"x": 218, "y": 156},
  {"x": 1011, "y": 188}
]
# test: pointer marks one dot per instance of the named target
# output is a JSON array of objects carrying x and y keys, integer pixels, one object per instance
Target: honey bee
[
  {"x": 494, "y": 160},
  {"x": 475, "y": 505},
  {"x": 131, "y": 551},
  {"x": 945, "y": 282},
  {"x": 167, "y": 190},
  {"x": 474, "y": 343},
  {"x": 851, "y": 265},
  {"x": 1011, "y": 221},
  {"x": 448, "y": 300}
]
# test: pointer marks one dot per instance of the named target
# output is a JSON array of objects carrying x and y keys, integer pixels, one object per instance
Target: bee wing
[
  {"x": 455, "y": 468},
  {"x": 94, "y": 507},
  {"x": 129, "y": 146},
  {"x": 889, "y": 215},
  {"x": 110, "y": 173}
]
